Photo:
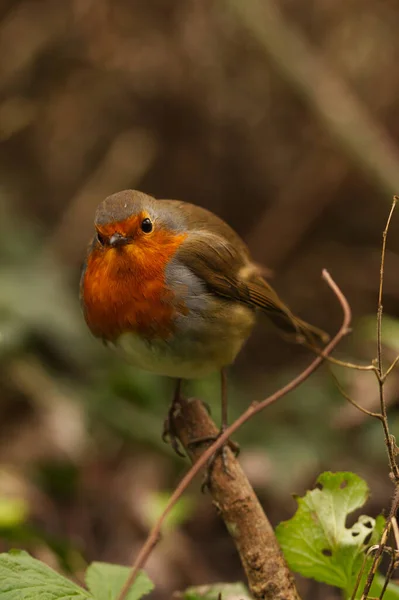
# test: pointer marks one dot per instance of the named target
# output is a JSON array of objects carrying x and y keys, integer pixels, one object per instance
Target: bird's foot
[
  {"x": 169, "y": 433},
  {"x": 222, "y": 452}
]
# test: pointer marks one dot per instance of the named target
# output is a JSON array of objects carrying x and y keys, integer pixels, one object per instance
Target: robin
[{"x": 175, "y": 288}]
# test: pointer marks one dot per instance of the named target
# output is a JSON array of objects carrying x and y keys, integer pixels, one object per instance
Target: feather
[{"x": 228, "y": 272}]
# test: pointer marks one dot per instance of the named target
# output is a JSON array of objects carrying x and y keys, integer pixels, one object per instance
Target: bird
[{"x": 174, "y": 288}]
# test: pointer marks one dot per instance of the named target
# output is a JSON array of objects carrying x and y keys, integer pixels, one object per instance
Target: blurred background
[{"x": 284, "y": 121}]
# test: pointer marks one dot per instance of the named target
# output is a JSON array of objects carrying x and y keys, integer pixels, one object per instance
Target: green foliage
[
  {"x": 316, "y": 541},
  {"x": 25, "y": 578},
  {"x": 105, "y": 582},
  {"x": 214, "y": 591}
]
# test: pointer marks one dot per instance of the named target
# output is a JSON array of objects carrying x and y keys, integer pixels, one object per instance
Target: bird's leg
[
  {"x": 209, "y": 439},
  {"x": 169, "y": 433}
]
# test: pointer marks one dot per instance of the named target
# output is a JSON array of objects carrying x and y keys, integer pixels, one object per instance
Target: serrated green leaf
[
  {"x": 212, "y": 592},
  {"x": 105, "y": 582},
  {"x": 316, "y": 542},
  {"x": 25, "y": 578}
]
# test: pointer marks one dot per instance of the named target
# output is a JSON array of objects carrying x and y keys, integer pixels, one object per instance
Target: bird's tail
[
  {"x": 262, "y": 295},
  {"x": 293, "y": 326},
  {"x": 309, "y": 332}
]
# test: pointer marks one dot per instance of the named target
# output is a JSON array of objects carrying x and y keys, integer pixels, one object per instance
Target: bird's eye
[
  {"x": 101, "y": 239},
  {"x": 146, "y": 225}
]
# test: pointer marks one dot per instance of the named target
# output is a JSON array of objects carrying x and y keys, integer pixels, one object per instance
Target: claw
[
  {"x": 207, "y": 482},
  {"x": 169, "y": 436},
  {"x": 169, "y": 433}
]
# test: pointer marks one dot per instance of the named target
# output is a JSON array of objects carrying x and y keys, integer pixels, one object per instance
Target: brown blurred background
[{"x": 284, "y": 121}]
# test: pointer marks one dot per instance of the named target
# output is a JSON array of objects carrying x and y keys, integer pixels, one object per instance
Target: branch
[
  {"x": 389, "y": 439},
  {"x": 381, "y": 377},
  {"x": 267, "y": 572},
  {"x": 206, "y": 454}
]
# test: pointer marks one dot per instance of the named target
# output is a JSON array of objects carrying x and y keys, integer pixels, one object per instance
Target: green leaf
[
  {"x": 316, "y": 542},
  {"x": 25, "y": 578},
  {"x": 105, "y": 582},
  {"x": 212, "y": 592}
]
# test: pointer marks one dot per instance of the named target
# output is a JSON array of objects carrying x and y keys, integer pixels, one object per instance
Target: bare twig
[
  {"x": 353, "y": 402},
  {"x": 389, "y": 439},
  {"x": 378, "y": 369},
  {"x": 253, "y": 409},
  {"x": 390, "y": 571},
  {"x": 381, "y": 547},
  {"x": 380, "y": 288},
  {"x": 350, "y": 365},
  {"x": 391, "y": 367},
  {"x": 367, "y": 555},
  {"x": 391, "y": 446},
  {"x": 395, "y": 530},
  {"x": 343, "y": 363}
]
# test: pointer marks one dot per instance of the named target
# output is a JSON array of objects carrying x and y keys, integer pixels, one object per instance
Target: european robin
[{"x": 175, "y": 288}]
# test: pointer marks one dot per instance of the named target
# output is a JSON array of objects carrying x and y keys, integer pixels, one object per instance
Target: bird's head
[
  {"x": 123, "y": 219},
  {"x": 135, "y": 237}
]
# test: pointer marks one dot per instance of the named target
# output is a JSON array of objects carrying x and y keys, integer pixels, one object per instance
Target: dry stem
[
  {"x": 391, "y": 445},
  {"x": 378, "y": 368},
  {"x": 267, "y": 572},
  {"x": 389, "y": 439}
]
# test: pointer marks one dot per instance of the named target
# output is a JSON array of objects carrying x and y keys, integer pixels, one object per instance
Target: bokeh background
[{"x": 283, "y": 120}]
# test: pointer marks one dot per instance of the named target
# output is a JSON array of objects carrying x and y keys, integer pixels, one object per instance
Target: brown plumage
[
  {"x": 216, "y": 254},
  {"x": 174, "y": 287}
]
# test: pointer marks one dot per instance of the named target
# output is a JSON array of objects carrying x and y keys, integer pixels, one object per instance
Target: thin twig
[
  {"x": 391, "y": 368},
  {"x": 349, "y": 365},
  {"x": 353, "y": 402},
  {"x": 381, "y": 546},
  {"x": 253, "y": 409},
  {"x": 395, "y": 530},
  {"x": 367, "y": 555},
  {"x": 389, "y": 439},
  {"x": 390, "y": 571},
  {"x": 381, "y": 287},
  {"x": 380, "y": 371},
  {"x": 341, "y": 363}
]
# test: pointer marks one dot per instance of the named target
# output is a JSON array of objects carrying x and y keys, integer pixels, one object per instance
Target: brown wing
[
  {"x": 228, "y": 271},
  {"x": 201, "y": 220}
]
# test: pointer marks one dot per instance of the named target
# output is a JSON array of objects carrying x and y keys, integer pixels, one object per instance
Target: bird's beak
[{"x": 117, "y": 239}]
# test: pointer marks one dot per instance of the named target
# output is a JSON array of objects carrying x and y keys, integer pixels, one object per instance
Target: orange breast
[{"x": 124, "y": 289}]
